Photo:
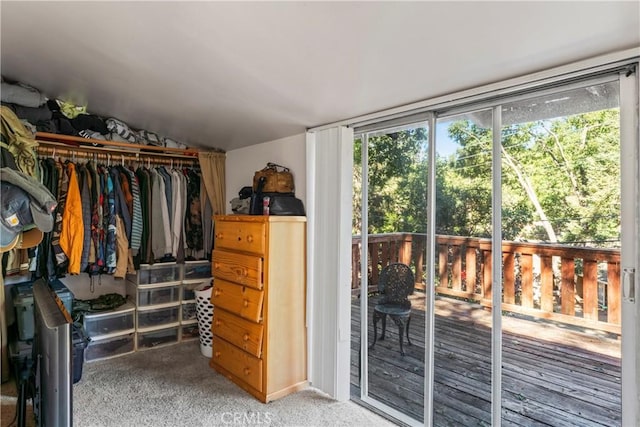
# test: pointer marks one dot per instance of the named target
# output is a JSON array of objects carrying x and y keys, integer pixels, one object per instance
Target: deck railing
[{"x": 573, "y": 285}]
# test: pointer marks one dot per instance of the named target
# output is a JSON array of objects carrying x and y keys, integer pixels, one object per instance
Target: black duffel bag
[{"x": 286, "y": 204}]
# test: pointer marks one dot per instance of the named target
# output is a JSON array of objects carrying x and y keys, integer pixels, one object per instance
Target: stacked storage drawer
[
  {"x": 111, "y": 333},
  {"x": 155, "y": 290},
  {"x": 196, "y": 274}
]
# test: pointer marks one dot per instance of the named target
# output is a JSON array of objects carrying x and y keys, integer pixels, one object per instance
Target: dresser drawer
[
  {"x": 238, "y": 268},
  {"x": 244, "y": 366},
  {"x": 241, "y": 236},
  {"x": 241, "y": 300},
  {"x": 239, "y": 332}
]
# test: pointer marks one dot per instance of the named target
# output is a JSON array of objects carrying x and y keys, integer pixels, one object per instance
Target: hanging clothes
[
  {"x": 177, "y": 212},
  {"x": 122, "y": 249},
  {"x": 110, "y": 219},
  {"x": 72, "y": 234},
  {"x": 207, "y": 223},
  {"x": 46, "y": 259},
  {"x": 144, "y": 253},
  {"x": 158, "y": 239},
  {"x": 96, "y": 256},
  {"x": 110, "y": 224},
  {"x": 121, "y": 208},
  {"x": 193, "y": 221},
  {"x": 136, "y": 218},
  {"x": 85, "y": 201},
  {"x": 168, "y": 189}
]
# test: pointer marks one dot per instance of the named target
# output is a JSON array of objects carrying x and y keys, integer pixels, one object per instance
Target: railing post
[
  {"x": 456, "y": 267},
  {"x": 355, "y": 263},
  {"x": 470, "y": 269},
  {"x": 487, "y": 281},
  {"x": 546, "y": 284},
  {"x": 443, "y": 265},
  {"x": 508, "y": 278},
  {"x": 404, "y": 250},
  {"x": 373, "y": 252},
  {"x": 418, "y": 254},
  {"x": 613, "y": 293},
  {"x": 568, "y": 293},
  {"x": 590, "y": 289},
  {"x": 526, "y": 272}
]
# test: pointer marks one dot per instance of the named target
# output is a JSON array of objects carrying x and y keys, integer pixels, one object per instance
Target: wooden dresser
[{"x": 259, "y": 299}]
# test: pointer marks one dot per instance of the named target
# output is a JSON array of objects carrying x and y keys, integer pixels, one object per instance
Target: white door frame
[{"x": 630, "y": 218}]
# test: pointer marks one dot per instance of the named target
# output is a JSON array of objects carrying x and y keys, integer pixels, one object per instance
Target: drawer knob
[
  {"x": 247, "y": 371},
  {"x": 219, "y": 236},
  {"x": 216, "y": 293},
  {"x": 249, "y": 238},
  {"x": 217, "y": 323},
  {"x": 246, "y": 337},
  {"x": 245, "y": 303},
  {"x": 217, "y": 353}
]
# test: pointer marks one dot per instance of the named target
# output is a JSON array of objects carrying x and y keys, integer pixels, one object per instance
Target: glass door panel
[
  {"x": 561, "y": 258},
  {"x": 463, "y": 271},
  {"x": 389, "y": 294}
]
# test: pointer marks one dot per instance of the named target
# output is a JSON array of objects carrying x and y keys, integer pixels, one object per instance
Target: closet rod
[
  {"x": 70, "y": 140},
  {"x": 113, "y": 157},
  {"x": 115, "y": 152}
]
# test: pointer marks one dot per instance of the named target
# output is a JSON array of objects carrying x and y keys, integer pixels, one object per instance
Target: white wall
[{"x": 242, "y": 163}]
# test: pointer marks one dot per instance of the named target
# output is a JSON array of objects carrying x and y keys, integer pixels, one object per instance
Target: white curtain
[{"x": 329, "y": 213}]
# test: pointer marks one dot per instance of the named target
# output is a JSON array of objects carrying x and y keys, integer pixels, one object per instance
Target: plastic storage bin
[
  {"x": 150, "y": 317},
  {"x": 109, "y": 347},
  {"x": 79, "y": 344},
  {"x": 196, "y": 270},
  {"x": 145, "y": 295},
  {"x": 158, "y": 337},
  {"x": 189, "y": 332},
  {"x": 22, "y": 295},
  {"x": 189, "y": 287},
  {"x": 189, "y": 311},
  {"x": 21, "y": 355},
  {"x": 157, "y": 273},
  {"x": 120, "y": 320}
]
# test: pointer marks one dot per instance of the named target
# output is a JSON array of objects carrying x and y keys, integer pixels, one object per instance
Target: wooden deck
[{"x": 553, "y": 375}]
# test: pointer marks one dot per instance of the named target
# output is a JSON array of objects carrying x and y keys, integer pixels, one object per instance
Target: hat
[
  {"x": 24, "y": 240},
  {"x": 38, "y": 193},
  {"x": 24, "y": 204}
]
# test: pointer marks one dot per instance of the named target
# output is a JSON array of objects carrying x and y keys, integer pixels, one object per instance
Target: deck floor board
[{"x": 552, "y": 375}]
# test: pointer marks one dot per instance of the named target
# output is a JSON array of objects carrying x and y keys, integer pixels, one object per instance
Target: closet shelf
[{"x": 78, "y": 142}]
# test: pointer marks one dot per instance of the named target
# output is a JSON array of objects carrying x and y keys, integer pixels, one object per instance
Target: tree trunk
[{"x": 528, "y": 188}]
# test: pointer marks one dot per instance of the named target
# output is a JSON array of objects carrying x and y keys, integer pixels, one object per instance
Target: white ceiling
[{"x": 229, "y": 75}]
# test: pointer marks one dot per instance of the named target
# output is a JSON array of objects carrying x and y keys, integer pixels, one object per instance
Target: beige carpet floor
[{"x": 174, "y": 386}]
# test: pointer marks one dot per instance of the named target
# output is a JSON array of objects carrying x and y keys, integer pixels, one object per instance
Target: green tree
[
  {"x": 560, "y": 180},
  {"x": 397, "y": 181}
]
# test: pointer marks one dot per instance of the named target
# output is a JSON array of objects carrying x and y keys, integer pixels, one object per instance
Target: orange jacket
[{"x": 72, "y": 234}]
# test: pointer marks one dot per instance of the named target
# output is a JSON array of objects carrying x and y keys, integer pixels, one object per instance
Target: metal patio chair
[{"x": 395, "y": 284}]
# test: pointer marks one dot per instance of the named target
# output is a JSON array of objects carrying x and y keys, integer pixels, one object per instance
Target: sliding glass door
[
  {"x": 389, "y": 246},
  {"x": 517, "y": 217},
  {"x": 561, "y": 301},
  {"x": 462, "y": 269}
]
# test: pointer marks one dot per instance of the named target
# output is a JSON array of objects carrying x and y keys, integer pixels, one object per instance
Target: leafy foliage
[{"x": 560, "y": 180}]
